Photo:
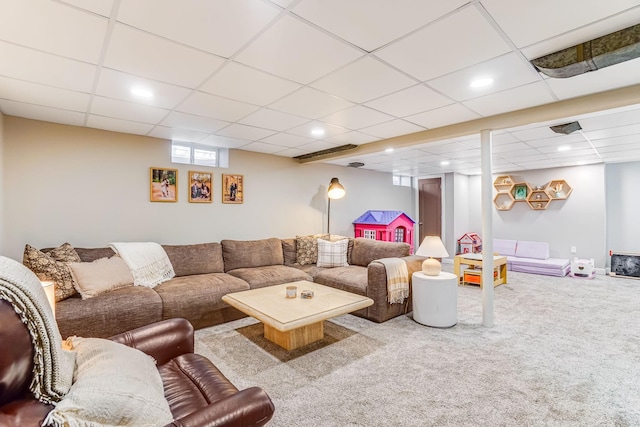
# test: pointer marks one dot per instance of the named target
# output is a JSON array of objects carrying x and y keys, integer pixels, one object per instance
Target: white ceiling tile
[
  {"x": 118, "y": 125},
  {"x": 548, "y": 18},
  {"x": 507, "y": 71},
  {"x": 351, "y": 138},
  {"x": 443, "y": 116},
  {"x": 180, "y": 120},
  {"x": 38, "y": 67},
  {"x": 618, "y": 141},
  {"x": 287, "y": 140},
  {"x": 239, "y": 82},
  {"x": 291, "y": 152},
  {"x": 33, "y": 93},
  {"x": 297, "y": 51},
  {"x": 271, "y": 119},
  {"x": 316, "y": 146},
  {"x": 409, "y": 101},
  {"x": 514, "y": 146},
  {"x": 145, "y": 55},
  {"x": 118, "y": 85},
  {"x": 619, "y": 75},
  {"x": 176, "y": 134},
  {"x": 224, "y": 142},
  {"x": 282, "y": 3},
  {"x": 205, "y": 105},
  {"x": 249, "y": 133},
  {"x": 101, "y": 7},
  {"x": 613, "y": 132},
  {"x": 450, "y": 44},
  {"x": 357, "y": 117},
  {"x": 38, "y": 112},
  {"x": 329, "y": 129},
  {"x": 53, "y": 27},
  {"x": 261, "y": 147},
  {"x": 114, "y": 108},
  {"x": 613, "y": 120},
  {"x": 392, "y": 128},
  {"x": 310, "y": 103},
  {"x": 517, "y": 98},
  {"x": 221, "y": 27},
  {"x": 400, "y": 17},
  {"x": 348, "y": 83}
]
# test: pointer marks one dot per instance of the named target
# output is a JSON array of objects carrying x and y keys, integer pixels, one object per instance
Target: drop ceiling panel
[
  {"x": 517, "y": 98},
  {"x": 613, "y": 132},
  {"x": 223, "y": 141},
  {"x": 450, "y": 44},
  {"x": 38, "y": 67},
  {"x": 443, "y": 116},
  {"x": 412, "y": 100},
  {"x": 287, "y": 140},
  {"x": 357, "y": 117},
  {"x": 311, "y": 103},
  {"x": 272, "y": 119},
  {"x": 101, "y": 7},
  {"x": 242, "y": 83},
  {"x": 114, "y": 108},
  {"x": 351, "y": 138},
  {"x": 249, "y": 133},
  {"x": 221, "y": 27},
  {"x": 118, "y": 125},
  {"x": 400, "y": 17},
  {"x": 329, "y": 129},
  {"x": 145, "y": 55},
  {"x": 548, "y": 18},
  {"x": 47, "y": 96},
  {"x": 261, "y": 147},
  {"x": 53, "y": 27},
  {"x": 348, "y": 82},
  {"x": 215, "y": 107},
  {"x": 191, "y": 122},
  {"x": 176, "y": 134},
  {"x": 392, "y": 128},
  {"x": 296, "y": 51},
  {"x": 38, "y": 112}
]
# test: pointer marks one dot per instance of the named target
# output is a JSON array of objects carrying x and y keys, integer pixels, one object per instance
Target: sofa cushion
[
  {"x": 537, "y": 250},
  {"x": 367, "y": 250},
  {"x": 352, "y": 279},
  {"x": 270, "y": 275},
  {"x": 307, "y": 248},
  {"x": 549, "y": 267},
  {"x": 332, "y": 254},
  {"x": 100, "y": 276},
  {"x": 201, "y": 258},
  {"x": 251, "y": 253},
  {"x": 92, "y": 254},
  {"x": 289, "y": 251},
  {"x": 505, "y": 247},
  {"x": 53, "y": 266},
  {"x": 193, "y": 297}
]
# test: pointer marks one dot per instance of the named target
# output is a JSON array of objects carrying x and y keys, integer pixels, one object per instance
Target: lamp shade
[
  {"x": 336, "y": 190},
  {"x": 50, "y": 291},
  {"x": 432, "y": 247}
]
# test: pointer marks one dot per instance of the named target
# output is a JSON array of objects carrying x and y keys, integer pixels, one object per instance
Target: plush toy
[{"x": 583, "y": 268}]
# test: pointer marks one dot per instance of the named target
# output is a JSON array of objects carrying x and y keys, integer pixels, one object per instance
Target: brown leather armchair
[{"x": 197, "y": 392}]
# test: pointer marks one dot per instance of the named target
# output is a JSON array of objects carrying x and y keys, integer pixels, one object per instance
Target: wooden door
[{"x": 430, "y": 205}]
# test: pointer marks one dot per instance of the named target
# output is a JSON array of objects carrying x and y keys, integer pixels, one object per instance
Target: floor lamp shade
[
  {"x": 335, "y": 191},
  {"x": 432, "y": 247}
]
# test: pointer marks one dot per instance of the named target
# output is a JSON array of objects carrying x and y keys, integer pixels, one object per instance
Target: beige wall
[
  {"x": 91, "y": 187},
  {"x": 2, "y": 205}
]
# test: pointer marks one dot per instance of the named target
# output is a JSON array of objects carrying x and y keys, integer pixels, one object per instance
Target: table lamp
[
  {"x": 432, "y": 247},
  {"x": 50, "y": 290}
]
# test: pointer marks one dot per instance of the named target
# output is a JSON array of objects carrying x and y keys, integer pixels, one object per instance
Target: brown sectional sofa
[{"x": 205, "y": 272}]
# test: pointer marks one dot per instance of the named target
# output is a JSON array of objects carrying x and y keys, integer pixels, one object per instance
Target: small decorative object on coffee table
[{"x": 306, "y": 294}]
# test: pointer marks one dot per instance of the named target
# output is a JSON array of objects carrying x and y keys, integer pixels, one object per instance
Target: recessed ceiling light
[
  {"x": 444, "y": 163},
  {"x": 141, "y": 92},
  {"x": 317, "y": 132},
  {"x": 389, "y": 150},
  {"x": 481, "y": 82},
  {"x": 564, "y": 148}
]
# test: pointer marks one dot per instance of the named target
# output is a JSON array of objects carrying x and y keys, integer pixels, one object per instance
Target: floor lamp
[{"x": 335, "y": 191}]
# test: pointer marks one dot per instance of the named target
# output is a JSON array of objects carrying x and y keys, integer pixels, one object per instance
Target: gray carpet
[{"x": 563, "y": 352}]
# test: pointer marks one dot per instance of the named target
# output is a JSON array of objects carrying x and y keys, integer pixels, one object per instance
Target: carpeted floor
[{"x": 563, "y": 352}]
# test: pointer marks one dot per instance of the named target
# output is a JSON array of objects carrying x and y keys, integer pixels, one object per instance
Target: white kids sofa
[{"x": 531, "y": 257}]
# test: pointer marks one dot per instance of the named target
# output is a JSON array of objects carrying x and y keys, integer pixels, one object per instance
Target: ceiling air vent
[
  {"x": 621, "y": 46},
  {"x": 327, "y": 151},
  {"x": 355, "y": 164},
  {"x": 566, "y": 128}
]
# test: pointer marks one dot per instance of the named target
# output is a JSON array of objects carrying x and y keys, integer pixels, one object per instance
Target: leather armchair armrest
[
  {"x": 163, "y": 340},
  {"x": 248, "y": 407}
]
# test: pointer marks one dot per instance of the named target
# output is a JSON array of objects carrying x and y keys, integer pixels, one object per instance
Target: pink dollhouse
[
  {"x": 469, "y": 243},
  {"x": 389, "y": 226}
]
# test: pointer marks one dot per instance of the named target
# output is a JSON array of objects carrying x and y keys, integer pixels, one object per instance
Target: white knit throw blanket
[
  {"x": 148, "y": 262},
  {"x": 397, "y": 279},
  {"x": 52, "y": 365}
]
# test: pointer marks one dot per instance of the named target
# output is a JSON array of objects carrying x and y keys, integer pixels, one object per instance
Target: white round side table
[{"x": 435, "y": 299}]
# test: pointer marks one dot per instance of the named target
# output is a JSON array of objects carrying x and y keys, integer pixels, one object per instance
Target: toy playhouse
[
  {"x": 388, "y": 226},
  {"x": 469, "y": 243}
]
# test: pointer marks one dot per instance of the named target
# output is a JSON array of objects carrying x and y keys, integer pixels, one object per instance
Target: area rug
[{"x": 562, "y": 352}]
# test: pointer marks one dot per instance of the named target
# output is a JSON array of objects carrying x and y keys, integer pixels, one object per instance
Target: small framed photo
[
  {"x": 200, "y": 187},
  {"x": 520, "y": 192},
  {"x": 232, "y": 188},
  {"x": 163, "y": 184}
]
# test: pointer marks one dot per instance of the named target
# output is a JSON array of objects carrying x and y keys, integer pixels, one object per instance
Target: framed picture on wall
[
  {"x": 232, "y": 188},
  {"x": 200, "y": 187},
  {"x": 520, "y": 192},
  {"x": 163, "y": 184}
]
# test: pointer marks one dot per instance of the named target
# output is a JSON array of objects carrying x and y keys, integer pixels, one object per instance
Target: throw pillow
[
  {"x": 332, "y": 254},
  {"x": 307, "y": 248},
  {"x": 114, "y": 385},
  {"x": 53, "y": 266},
  {"x": 100, "y": 276}
]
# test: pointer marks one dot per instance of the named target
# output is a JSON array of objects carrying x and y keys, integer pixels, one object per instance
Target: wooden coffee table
[{"x": 295, "y": 322}]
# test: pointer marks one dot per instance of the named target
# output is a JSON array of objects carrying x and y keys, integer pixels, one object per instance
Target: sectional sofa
[
  {"x": 531, "y": 257},
  {"x": 207, "y": 271}
]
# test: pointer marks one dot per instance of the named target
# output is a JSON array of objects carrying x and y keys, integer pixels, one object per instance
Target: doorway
[{"x": 430, "y": 207}]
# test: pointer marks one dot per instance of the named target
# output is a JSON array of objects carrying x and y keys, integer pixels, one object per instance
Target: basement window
[
  {"x": 194, "y": 154},
  {"x": 404, "y": 181}
]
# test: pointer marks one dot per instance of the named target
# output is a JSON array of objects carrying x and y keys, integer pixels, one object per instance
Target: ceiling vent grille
[
  {"x": 327, "y": 151},
  {"x": 566, "y": 128},
  {"x": 355, "y": 164},
  {"x": 614, "y": 48}
]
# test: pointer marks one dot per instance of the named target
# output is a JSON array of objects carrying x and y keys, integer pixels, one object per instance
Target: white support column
[{"x": 487, "y": 228}]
